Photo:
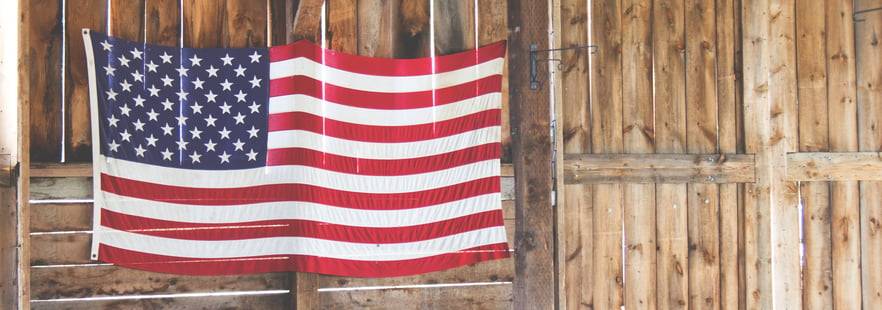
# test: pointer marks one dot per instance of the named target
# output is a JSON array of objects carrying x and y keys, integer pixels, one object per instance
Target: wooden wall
[
  {"x": 61, "y": 273},
  {"x": 715, "y": 154}
]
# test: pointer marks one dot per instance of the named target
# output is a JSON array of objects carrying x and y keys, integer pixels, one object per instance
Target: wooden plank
[
  {"x": 377, "y": 28},
  {"x": 60, "y": 249},
  {"x": 727, "y": 141},
  {"x": 163, "y": 22},
  {"x": 530, "y": 118},
  {"x": 49, "y": 217},
  {"x": 41, "y": 52},
  {"x": 41, "y": 170},
  {"x": 659, "y": 168},
  {"x": 493, "y": 27},
  {"x": 869, "y": 94},
  {"x": 251, "y": 301},
  {"x": 500, "y": 270},
  {"x": 87, "y": 281},
  {"x": 606, "y": 126},
  {"x": 342, "y": 34},
  {"x": 82, "y": 14},
  {"x": 307, "y": 21},
  {"x": 842, "y": 111},
  {"x": 279, "y": 10},
  {"x": 813, "y": 137},
  {"x": 203, "y": 23},
  {"x": 60, "y": 188},
  {"x": 701, "y": 136},
  {"x": 454, "y": 26},
  {"x": 126, "y": 19},
  {"x": 15, "y": 251},
  {"x": 670, "y": 133},
  {"x": 575, "y": 209},
  {"x": 497, "y": 296},
  {"x": 11, "y": 289},
  {"x": 246, "y": 24},
  {"x": 638, "y": 137},
  {"x": 415, "y": 29},
  {"x": 831, "y": 166}
]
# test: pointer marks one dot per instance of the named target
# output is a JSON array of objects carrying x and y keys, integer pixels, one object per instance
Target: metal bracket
[
  {"x": 856, "y": 13},
  {"x": 534, "y": 72}
]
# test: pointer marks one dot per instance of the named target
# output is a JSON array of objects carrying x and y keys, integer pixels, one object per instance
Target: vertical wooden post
[
  {"x": 530, "y": 123},
  {"x": 13, "y": 270}
]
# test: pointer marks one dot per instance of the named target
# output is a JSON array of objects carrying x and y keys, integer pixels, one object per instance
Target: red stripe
[
  {"x": 300, "y": 263},
  {"x": 299, "y": 228},
  {"x": 296, "y": 192},
  {"x": 303, "y": 85},
  {"x": 383, "y": 66},
  {"x": 381, "y": 167},
  {"x": 382, "y": 134}
]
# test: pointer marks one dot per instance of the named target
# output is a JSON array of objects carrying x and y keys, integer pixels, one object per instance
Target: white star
[
  {"x": 211, "y": 71},
  {"x": 224, "y": 158},
  {"x": 167, "y": 155},
  {"x": 153, "y": 91},
  {"x": 195, "y": 61},
  {"x": 240, "y": 97},
  {"x": 182, "y": 145},
  {"x": 107, "y": 46},
  {"x": 195, "y": 157},
  {"x": 124, "y": 110},
  {"x": 123, "y": 61},
  {"x": 166, "y": 58},
  {"x": 152, "y": 66},
  {"x": 255, "y": 57},
  {"x": 209, "y": 97},
  {"x": 152, "y": 115},
  {"x": 227, "y": 60},
  {"x": 125, "y": 135},
  {"x": 226, "y": 84},
  {"x": 197, "y": 83},
  {"x": 255, "y": 108},
  {"x": 209, "y": 121},
  {"x": 139, "y": 151},
  {"x": 240, "y": 71},
  {"x": 111, "y": 95},
  {"x": 126, "y": 86},
  {"x": 112, "y": 121},
  {"x": 168, "y": 105},
  {"x": 136, "y": 54},
  {"x": 196, "y": 133},
  {"x": 252, "y": 133},
  {"x": 138, "y": 76},
  {"x": 240, "y": 119},
  {"x": 210, "y": 145},
  {"x": 225, "y": 134},
  {"x": 151, "y": 140},
  {"x": 226, "y": 108},
  {"x": 197, "y": 109},
  {"x": 239, "y": 145},
  {"x": 167, "y": 130},
  {"x": 182, "y": 120},
  {"x": 182, "y": 95},
  {"x": 252, "y": 156},
  {"x": 182, "y": 71},
  {"x": 167, "y": 81},
  {"x": 139, "y": 102},
  {"x": 139, "y": 126},
  {"x": 109, "y": 70},
  {"x": 113, "y": 146},
  {"x": 255, "y": 82}
]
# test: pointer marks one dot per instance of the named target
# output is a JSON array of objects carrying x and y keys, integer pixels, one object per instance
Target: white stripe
[
  {"x": 298, "y": 175},
  {"x": 295, "y": 210},
  {"x": 371, "y": 150},
  {"x": 300, "y": 246},
  {"x": 375, "y": 117},
  {"x": 379, "y": 83}
]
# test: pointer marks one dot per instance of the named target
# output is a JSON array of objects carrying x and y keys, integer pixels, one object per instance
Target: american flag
[{"x": 294, "y": 158}]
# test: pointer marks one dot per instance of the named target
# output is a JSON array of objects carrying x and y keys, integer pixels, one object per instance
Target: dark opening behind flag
[{"x": 294, "y": 158}]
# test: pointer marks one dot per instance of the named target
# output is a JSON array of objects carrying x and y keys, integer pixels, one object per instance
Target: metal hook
[
  {"x": 856, "y": 13},
  {"x": 534, "y": 83}
]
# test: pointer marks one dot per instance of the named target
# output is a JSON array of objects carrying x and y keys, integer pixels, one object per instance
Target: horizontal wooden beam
[
  {"x": 6, "y": 170},
  {"x": 852, "y": 166},
  {"x": 658, "y": 168}
]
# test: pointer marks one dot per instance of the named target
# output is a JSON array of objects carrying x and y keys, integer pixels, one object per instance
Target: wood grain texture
[
  {"x": 342, "y": 34},
  {"x": 534, "y": 286},
  {"x": 658, "y": 168},
  {"x": 415, "y": 27},
  {"x": 811, "y": 33},
  {"x": 497, "y": 296},
  {"x": 203, "y": 23},
  {"x": 638, "y": 137},
  {"x": 82, "y": 14},
  {"x": 51, "y": 217},
  {"x": 869, "y": 94},
  {"x": 41, "y": 54},
  {"x": 163, "y": 22},
  {"x": 378, "y": 28},
  {"x": 246, "y": 24},
  {"x": 454, "y": 26},
  {"x": 126, "y": 19},
  {"x": 492, "y": 27},
  {"x": 258, "y": 301},
  {"x": 307, "y": 21}
]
